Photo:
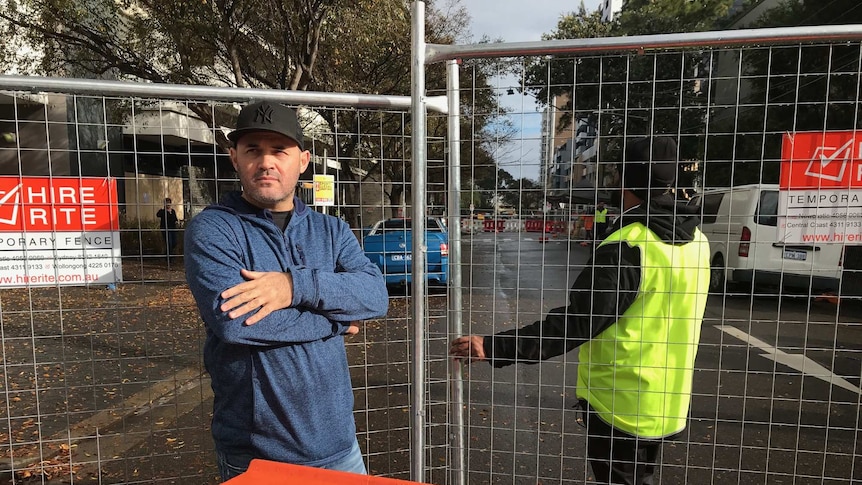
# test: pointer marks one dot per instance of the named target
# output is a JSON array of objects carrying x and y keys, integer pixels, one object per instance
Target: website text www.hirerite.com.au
[
  {"x": 836, "y": 237},
  {"x": 47, "y": 278}
]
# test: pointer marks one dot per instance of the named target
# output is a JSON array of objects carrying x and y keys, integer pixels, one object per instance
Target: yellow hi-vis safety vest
[
  {"x": 602, "y": 215},
  {"x": 637, "y": 373}
]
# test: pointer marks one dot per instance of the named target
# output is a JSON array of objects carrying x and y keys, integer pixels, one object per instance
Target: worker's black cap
[{"x": 649, "y": 164}]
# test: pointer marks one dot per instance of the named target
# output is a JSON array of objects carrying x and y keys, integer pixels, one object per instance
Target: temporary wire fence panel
[
  {"x": 104, "y": 381},
  {"x": 769, "y": 160},
  {"x": 102, "y": 377}
]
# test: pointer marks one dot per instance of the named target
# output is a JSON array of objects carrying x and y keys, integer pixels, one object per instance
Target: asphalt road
[{"x": 776, "y": 391}]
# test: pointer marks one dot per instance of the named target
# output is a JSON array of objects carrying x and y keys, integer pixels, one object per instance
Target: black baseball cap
[
  {"x": 267, "y": 116},
  {"x": 649, "y": 164}
]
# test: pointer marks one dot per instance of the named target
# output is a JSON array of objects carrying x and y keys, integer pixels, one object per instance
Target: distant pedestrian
[
  {"x": 601, "y": 221},
  {"x": 168, "y": 217}
]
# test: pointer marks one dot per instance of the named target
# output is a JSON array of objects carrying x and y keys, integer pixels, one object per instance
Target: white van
[{"x": 742, "y": 226}]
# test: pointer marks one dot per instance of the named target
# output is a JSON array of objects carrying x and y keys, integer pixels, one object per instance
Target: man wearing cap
[
  {"x": 278, "y": 286},
  {"x": 168, "y": 219},
  {"x": 635, "y": 311}
]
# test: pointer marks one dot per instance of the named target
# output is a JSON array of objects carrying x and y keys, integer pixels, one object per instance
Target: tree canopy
[
  {"x": 785, "y": 89},
  {"x": 680, "y": 92},
  {"x": 630, "y": 94},
  {"x": 354, "y": 46},
  {"x": 362, "y": 46}
]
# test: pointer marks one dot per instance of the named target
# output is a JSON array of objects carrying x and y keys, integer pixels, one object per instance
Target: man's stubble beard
[{"x": 256, "y": 194}]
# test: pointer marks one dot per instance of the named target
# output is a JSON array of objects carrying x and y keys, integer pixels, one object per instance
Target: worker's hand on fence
[
  {"x": 265, "y": 292},
  {"x": 470, "y": 347},
  {"x": 352, "y": 329}
]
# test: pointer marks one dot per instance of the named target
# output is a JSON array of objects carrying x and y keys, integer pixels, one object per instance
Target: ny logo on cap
[{"x": 263, "y": 114}]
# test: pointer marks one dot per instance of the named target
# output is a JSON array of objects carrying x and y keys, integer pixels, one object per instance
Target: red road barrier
[
  {"x": 533, "y": 225},
  {"x": 538, "y": 225},
  {"x": 491, "y": 225},
  {"x": 555, "y": 227}
]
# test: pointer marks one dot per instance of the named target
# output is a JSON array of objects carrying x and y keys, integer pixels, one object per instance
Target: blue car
[{"x": 388, "y": 245}]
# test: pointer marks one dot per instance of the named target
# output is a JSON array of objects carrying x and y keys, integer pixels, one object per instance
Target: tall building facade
[
  {"x": 569, "y": 151},
  {"x": 549, "y": 128},
  {"x": 568, "y": 146},
  {"x": 610, "y": 9}
]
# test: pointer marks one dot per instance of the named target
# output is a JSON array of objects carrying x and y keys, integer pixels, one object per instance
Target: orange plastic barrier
[{"x": 264, "y": 472}]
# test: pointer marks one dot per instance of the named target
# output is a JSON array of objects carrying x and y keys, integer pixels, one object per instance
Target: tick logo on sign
[
  {"x": 830, "y": 163},
  {"x": 821, "y": 160},
  {"x": 9, "y": 212}
]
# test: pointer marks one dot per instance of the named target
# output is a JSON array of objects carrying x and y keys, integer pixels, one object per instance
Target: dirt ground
[{"x": 106, "y": 384}]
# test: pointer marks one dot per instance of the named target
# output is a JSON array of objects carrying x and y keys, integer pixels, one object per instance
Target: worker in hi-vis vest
[
  {"x": 635, "y": 312},
  {"x": 601, "y": 221}
]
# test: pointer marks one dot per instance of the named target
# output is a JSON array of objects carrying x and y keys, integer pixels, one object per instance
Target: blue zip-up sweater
[{"x": 282, "y": 387}]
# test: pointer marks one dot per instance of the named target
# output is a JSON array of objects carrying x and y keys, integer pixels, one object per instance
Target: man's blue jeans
[{"x": 230, "y": 466}]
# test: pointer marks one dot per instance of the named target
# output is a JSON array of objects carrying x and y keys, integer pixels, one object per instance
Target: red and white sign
[
  {"x": 58, "y": 231},
  {"x": 821, "y": 160},
  {"x": 58, "y": 204},
  {"x": 821, "y": 187}
]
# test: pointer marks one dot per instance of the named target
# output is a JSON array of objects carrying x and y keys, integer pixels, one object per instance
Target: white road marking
[{"x": 798, "y": 362}]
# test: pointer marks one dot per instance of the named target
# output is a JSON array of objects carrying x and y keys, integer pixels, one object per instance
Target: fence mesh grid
[
  {"x": 776, "y": 395},
  {"x": 105, "y": 382}
]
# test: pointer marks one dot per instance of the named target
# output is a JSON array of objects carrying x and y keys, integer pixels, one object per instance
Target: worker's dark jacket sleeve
[{"x": 601, "y": 293}]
